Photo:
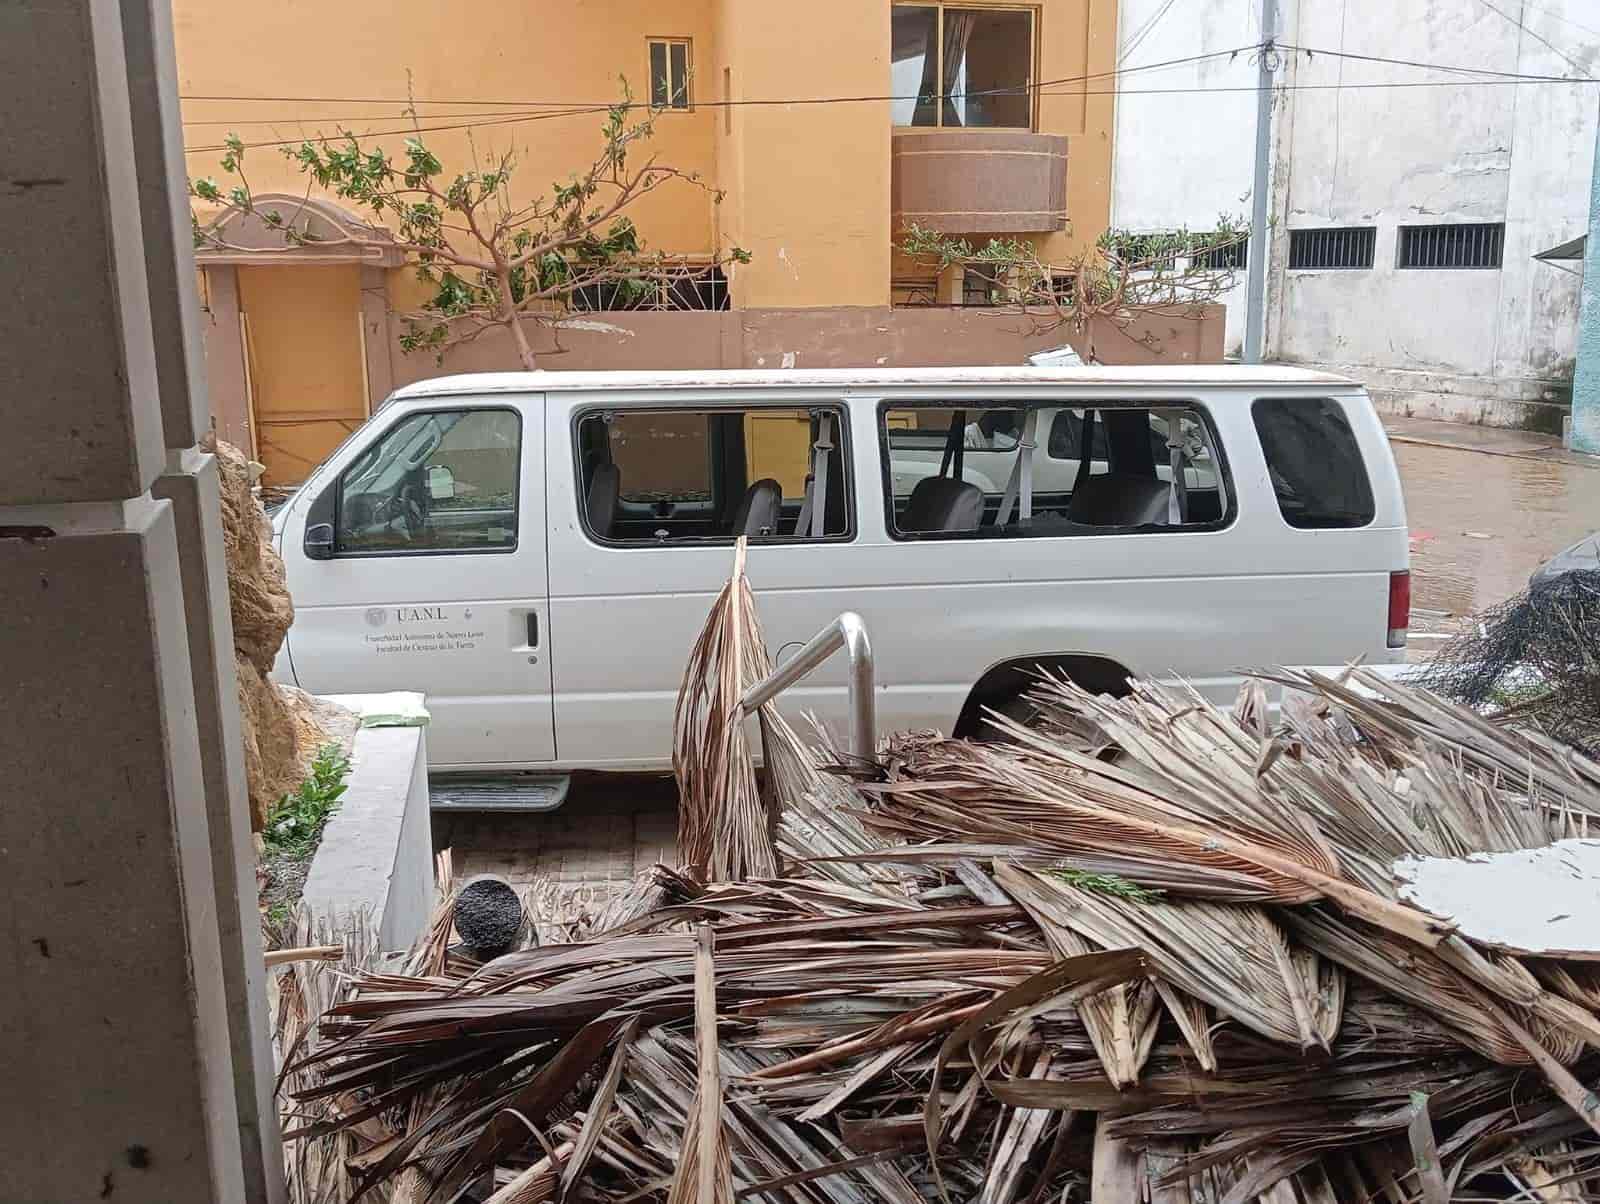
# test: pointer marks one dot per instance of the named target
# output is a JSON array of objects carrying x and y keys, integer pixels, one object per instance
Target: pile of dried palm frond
[{"x": 1142, "y": 949}]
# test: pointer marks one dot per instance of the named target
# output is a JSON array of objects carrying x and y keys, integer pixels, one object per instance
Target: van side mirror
[
  {"x": 318, "y": 543},
  {"x": 441, "y": 483}
]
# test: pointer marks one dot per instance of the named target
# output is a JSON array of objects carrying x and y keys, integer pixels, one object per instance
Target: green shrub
[{"x": 295, "y": 825}]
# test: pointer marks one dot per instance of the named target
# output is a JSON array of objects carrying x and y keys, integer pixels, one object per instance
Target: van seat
[
  {"x": 1120, "y": 500},
  {"x": 605, "y": 491},
  {"x": 758, "y": 510},
  {"x": 943, "y": 504}
]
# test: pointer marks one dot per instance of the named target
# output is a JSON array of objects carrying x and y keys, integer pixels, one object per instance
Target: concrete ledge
[
  {"x": 1519, "y": 403},
  {"x": 376, "y": 855}
]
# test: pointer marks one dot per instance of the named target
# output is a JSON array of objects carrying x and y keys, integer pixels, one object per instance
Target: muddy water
[{"x": 1480, "y": 524}]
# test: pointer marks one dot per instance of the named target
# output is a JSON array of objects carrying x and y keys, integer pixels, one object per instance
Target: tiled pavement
[{"x": 610, "y": 829}]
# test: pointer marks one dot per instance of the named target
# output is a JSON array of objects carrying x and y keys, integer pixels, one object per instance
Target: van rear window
[{"x": 1318, "y": 473}]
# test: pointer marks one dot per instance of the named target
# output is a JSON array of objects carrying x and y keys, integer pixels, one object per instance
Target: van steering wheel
[
  {"x": 413, "y": 510},
  {"x": 404, "y": 504}
]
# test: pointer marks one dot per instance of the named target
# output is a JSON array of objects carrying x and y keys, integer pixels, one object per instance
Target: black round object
[{"x": 488, "y": 915}]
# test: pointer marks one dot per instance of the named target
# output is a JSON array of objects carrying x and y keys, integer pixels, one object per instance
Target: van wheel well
[{"x": 1009, "y": 680}]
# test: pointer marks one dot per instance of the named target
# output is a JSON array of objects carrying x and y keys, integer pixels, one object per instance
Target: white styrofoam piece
[
  {"x": 1543, "y": 902},
  {"x": 400, "y": 708}
]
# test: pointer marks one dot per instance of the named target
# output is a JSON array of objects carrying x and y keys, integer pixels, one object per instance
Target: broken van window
[
  {"x": 666, "y": 476},
  {"x": 957, "y": 471}
]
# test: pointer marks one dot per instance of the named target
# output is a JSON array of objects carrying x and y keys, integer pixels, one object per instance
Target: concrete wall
[
  {"x": 1479, "y": 345},
  {"x": 131, "y": 1039},
  {"x": 1184, "y": 158},
  {"x": 376, "y": 856}
]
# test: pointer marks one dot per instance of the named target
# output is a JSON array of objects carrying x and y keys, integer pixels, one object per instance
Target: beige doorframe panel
[{"x": 310, "y": 373}]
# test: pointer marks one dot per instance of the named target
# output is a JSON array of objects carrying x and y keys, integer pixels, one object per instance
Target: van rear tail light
[{"x": 1399, "y": 608}]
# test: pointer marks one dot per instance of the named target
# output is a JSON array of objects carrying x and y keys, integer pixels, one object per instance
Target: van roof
[{"x": 1190, "y": 375}]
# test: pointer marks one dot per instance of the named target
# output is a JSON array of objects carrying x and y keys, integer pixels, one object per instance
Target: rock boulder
[{"x": 262, "y": 611}]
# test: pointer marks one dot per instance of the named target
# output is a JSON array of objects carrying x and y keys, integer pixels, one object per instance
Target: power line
[
  {"x": 1510, "y": 76},
  {"x": 1494, "y": 79},
  {"x": 1555, "y": 16},
  {"x": 721, "y": 104},
  {"x": 302, "y": 118},
  {"x": 410, "y": 129},
  {"x": 1505, "y": 16},
  {"x": 1144, "y": 32}
]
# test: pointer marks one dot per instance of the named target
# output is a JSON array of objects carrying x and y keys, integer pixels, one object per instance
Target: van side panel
[{"x": 1200, "y": 605}]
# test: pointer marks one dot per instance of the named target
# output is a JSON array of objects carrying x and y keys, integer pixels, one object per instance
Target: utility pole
[
  {"x": 1255, "y": 319},
  {"x": 1584, "y": 435}
]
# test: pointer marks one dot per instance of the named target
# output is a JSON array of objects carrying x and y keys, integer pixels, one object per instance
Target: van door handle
[{"x": 533, "y": 630}]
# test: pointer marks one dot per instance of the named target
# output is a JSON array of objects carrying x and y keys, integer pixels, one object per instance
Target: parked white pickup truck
[{"x": 536, "y": 551}]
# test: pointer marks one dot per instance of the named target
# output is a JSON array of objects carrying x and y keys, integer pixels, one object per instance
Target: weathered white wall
[
  {"x": 1463, "y": 343},
  {"x": 1184, "y": 158},
  {"x": 375, "y": 862}
]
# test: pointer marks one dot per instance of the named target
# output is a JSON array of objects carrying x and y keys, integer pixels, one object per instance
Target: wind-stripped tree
[
  {"x": 491, "y": 258},
  {"x": 1123, "y": 278}
]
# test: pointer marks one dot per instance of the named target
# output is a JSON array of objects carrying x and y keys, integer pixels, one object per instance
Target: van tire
[
  {"x": 1016, "y": 708},
  {"x": 1004, "y": 689}
]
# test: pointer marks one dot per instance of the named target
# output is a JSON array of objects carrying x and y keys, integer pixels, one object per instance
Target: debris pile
[
  {"x": 1535, "y": 657},
  {"x": 1141, "y": 950}
]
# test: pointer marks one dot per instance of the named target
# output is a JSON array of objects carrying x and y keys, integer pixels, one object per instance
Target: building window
[
  {"x": 1461, "y": 245},
  {"x": 1147, "y": 252},
  {"x": 1335, "y": 247},
  {"x": 670, "y": 65},
  {"x": 690, "y": 288},
  {"x": 962, "y": 67},
  {"x": 1226, "y": 257},
  {"x": 914, "y": 291},
  {"x": 984, "y": 286}
]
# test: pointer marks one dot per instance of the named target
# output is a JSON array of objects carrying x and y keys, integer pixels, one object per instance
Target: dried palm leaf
[
  {"x": 704, "y": 1173},
  {"x": 722, "y": 823},
  {"x": 1231, "y": 957},
  {"x": 1230, "y": 843}
]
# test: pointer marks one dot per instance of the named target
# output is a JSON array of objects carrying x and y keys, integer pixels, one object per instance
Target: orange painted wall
[
  {"x": 807, "y": 186},
  {"x": 811, "y": 182},
  {"x": 523, "y": 56}
]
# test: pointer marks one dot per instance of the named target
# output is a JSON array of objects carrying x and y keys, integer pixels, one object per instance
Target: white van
[{"x": 537, "y": 551}]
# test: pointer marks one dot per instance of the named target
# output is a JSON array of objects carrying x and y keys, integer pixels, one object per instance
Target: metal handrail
[{"x": 847, "y": 632}]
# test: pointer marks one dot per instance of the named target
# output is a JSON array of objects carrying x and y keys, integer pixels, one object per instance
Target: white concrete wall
[
  {"x": 1471, "y": 344},
  {"x": 376, "y": 855},
  {"x": 1184, "y": 158}
]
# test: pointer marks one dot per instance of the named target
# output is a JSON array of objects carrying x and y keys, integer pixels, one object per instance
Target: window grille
[
  {"x": 1333, "y": 247},
  {"x": 1458, "y": 245}
]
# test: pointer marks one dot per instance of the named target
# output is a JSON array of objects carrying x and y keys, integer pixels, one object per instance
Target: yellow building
[{"x": 821, "y": 123}]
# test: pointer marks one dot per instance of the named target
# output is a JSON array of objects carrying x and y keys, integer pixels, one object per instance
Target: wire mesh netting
[{"x": 1535, "y": 657}]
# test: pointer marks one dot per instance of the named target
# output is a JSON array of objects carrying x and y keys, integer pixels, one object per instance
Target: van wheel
[
  {"x": 1016, "y": 708},
  {"x": 1004, "y": 687},
  {"x": 1084, "y": 736}
]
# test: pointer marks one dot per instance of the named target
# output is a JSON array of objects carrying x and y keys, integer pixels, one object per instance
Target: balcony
[{"x": 966, "y": 181}]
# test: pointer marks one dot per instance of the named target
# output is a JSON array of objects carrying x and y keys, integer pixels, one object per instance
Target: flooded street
[{"x": 1481, "y": 523}]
